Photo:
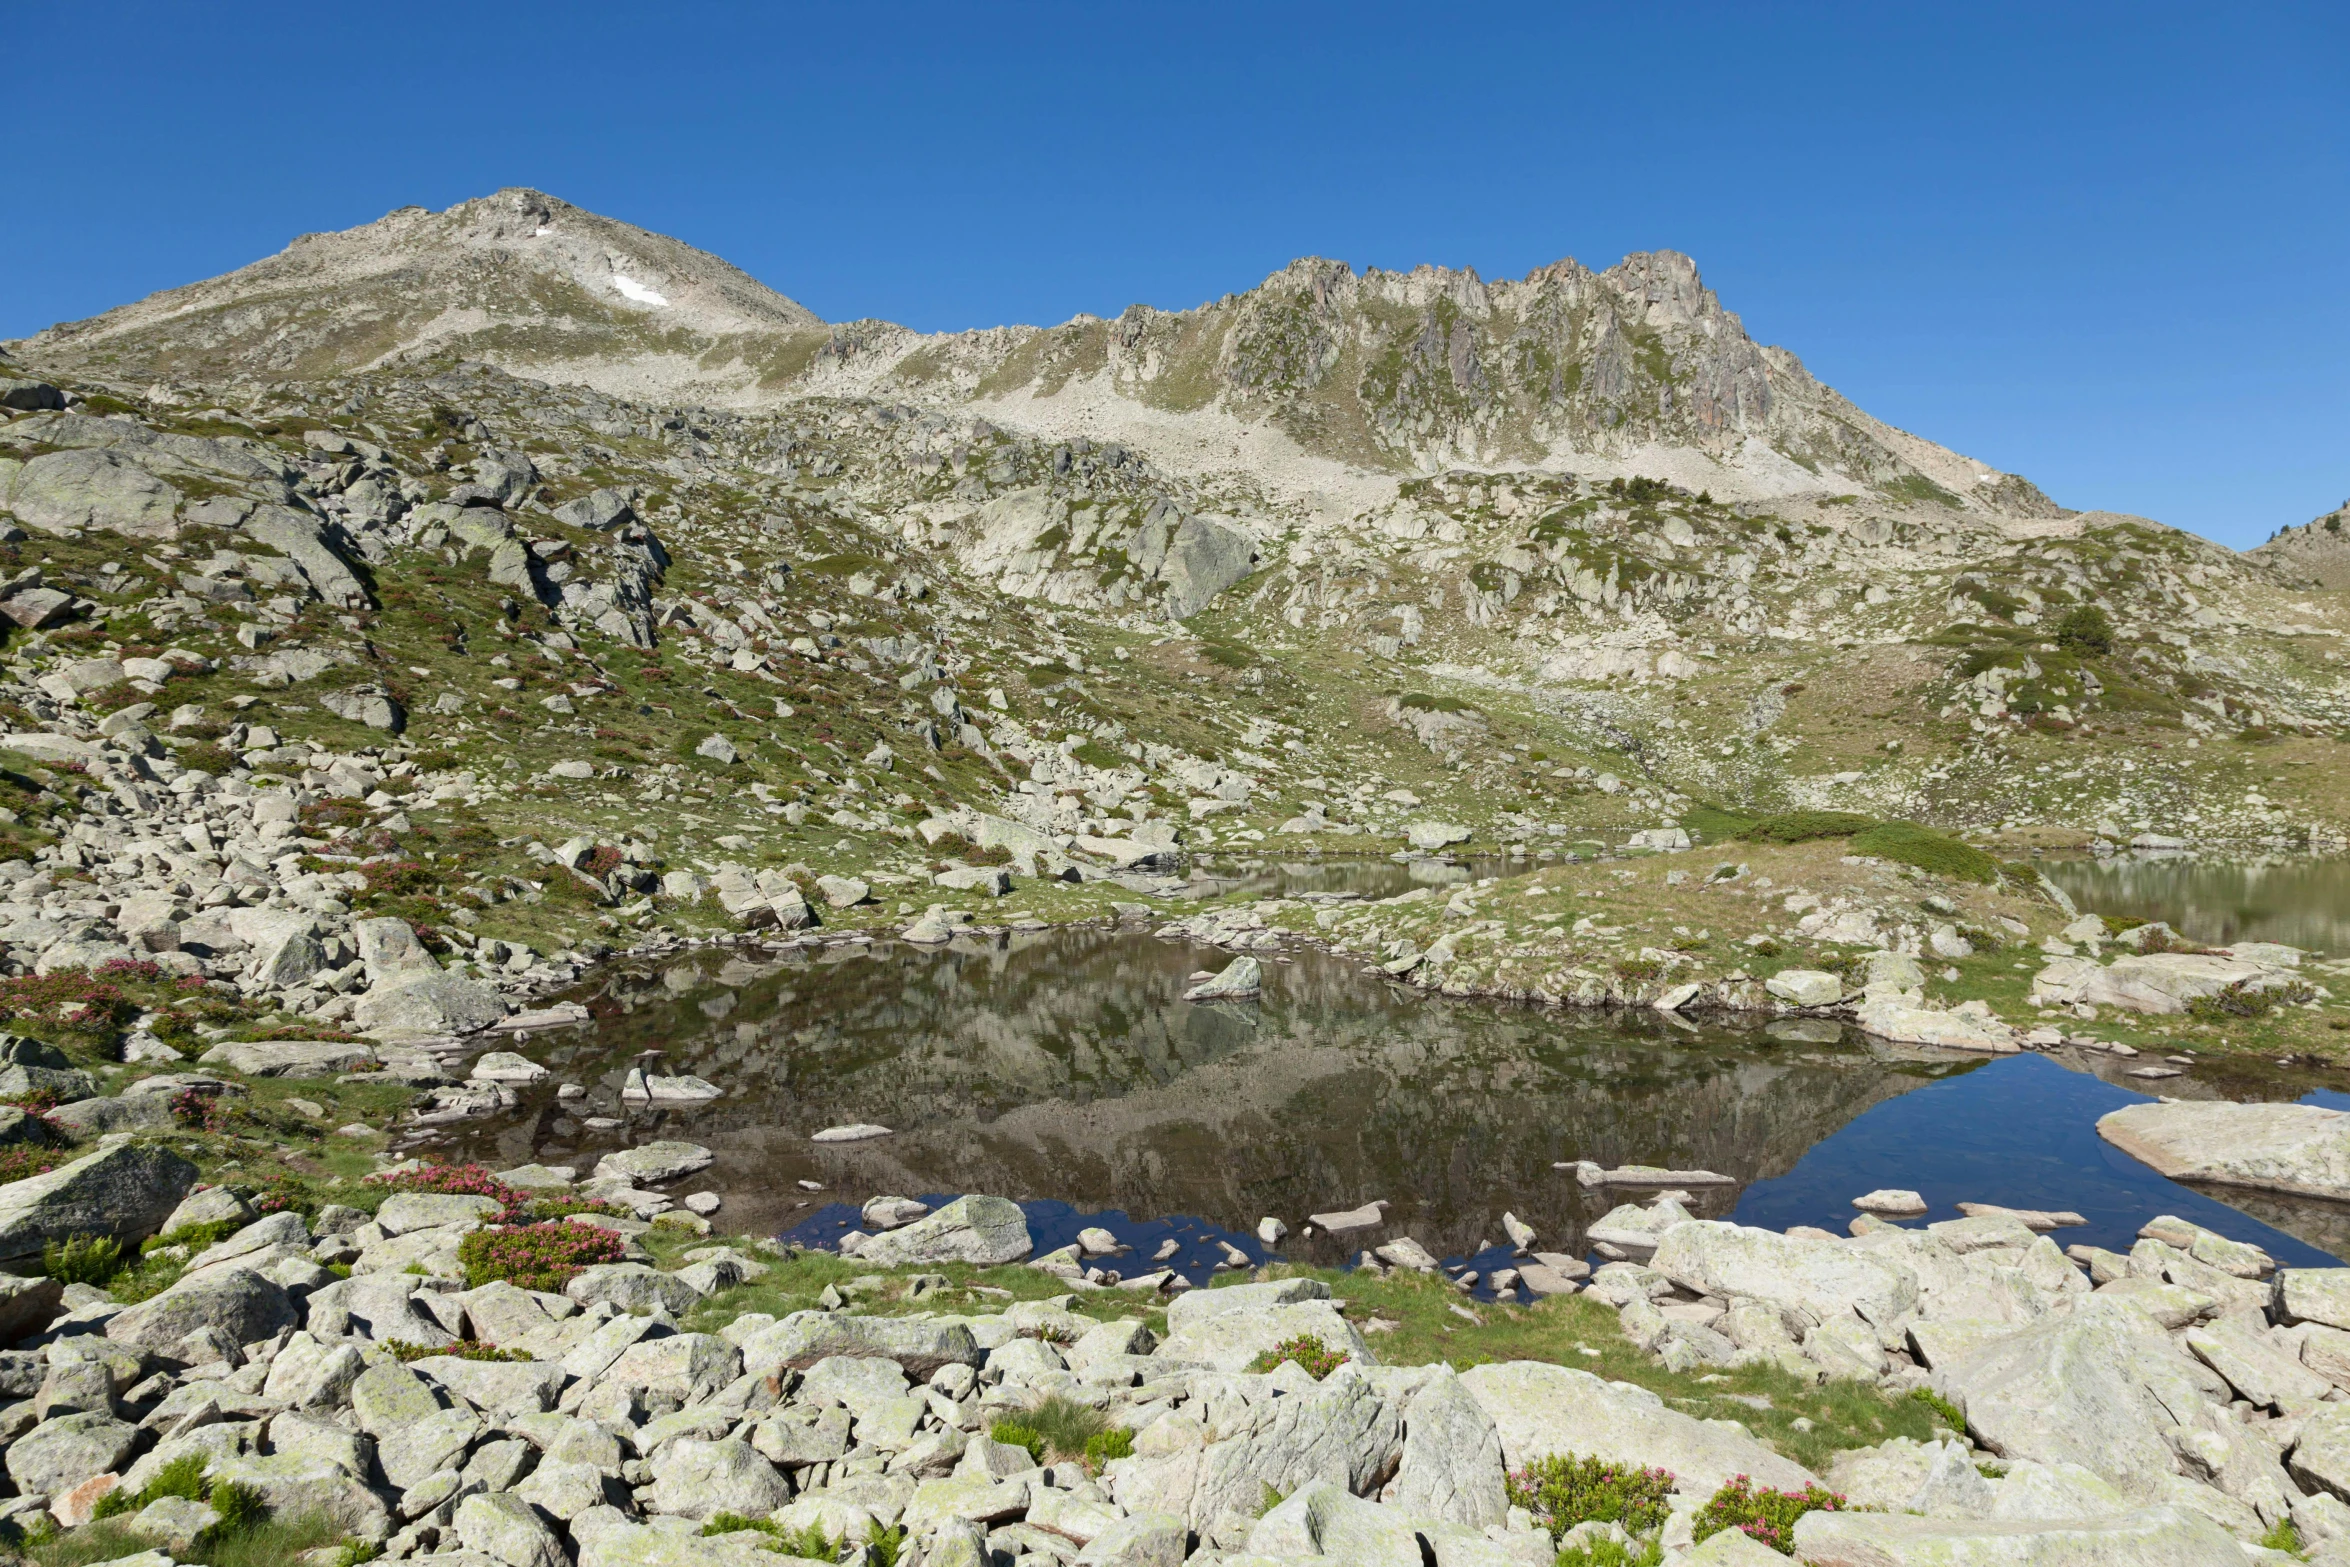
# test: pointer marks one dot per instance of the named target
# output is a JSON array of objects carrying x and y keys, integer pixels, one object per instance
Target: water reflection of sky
[
  {"x": 2300, "y": 901},
  {"x": 2020, "y": 1131}
]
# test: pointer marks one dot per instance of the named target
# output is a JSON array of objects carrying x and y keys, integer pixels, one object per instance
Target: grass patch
[
  {"x": 83, "y": 1259},
  {"x": 1906, "y": 843},
  {"x": 1573, "y": 1330},
  {"x": 1712, "y": 824},
  {"x": 1061, "y": 1428},
  {"x": 1803, "y": 826}
]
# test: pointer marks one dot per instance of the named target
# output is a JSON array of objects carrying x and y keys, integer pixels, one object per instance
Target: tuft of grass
[
  {"x": 1018, "y": 1433},
  {"x": 2282, "y": 1536},
  {"x": 1942, "y": 1408},
  {"x": 83, "y": 1259},
  {"x": 1105, "y": 1446},
  {"x": 1065, "y": 1426}
]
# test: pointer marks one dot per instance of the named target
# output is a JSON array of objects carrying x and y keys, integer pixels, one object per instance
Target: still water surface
[{"x": 1062, "y": 1066}]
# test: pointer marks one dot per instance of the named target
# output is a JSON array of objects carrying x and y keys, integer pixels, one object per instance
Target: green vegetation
[
  {"x": 2244, "y": 999},
  {"x": 1763, "y": 1514},
  {"x": 2085, "y": 629},
  {"x": 1944, "y": 1410},
  {"x": 1613, "y": 1553},
  {"x": 544, "y": 1256},
  {"x": 1018, "y": 1433},
  {"x": 1060, "y": 1428},
  {"x": 1906, "y": 843},
  {"x": 83, "y": 1259},
  {"x": 1803, "y": 826},
  {"x": 1562, "y": 1490},
  {"x": 1307, "y": 1352}
]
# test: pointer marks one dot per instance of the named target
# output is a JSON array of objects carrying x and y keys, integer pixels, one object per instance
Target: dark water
[
  {"x": 1060, "y": 1066},
  {"x": 2298, "y": 900}
]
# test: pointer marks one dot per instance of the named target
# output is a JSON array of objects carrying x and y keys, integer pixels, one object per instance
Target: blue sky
[{"x": 2102, "y": 246}]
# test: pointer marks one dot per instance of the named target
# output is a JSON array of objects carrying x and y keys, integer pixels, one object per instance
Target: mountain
[
  {"x": 516, "y": 278},
  {"x": 1308, "y": 383}
]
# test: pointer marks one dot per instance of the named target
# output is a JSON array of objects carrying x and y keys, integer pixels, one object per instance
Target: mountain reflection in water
[{"x": 1062, "y": 1064}]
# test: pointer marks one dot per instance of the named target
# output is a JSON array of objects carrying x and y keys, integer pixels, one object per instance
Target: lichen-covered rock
[
  {"x": 241, "y": 1304},
  {"x": 122, "y": 1189},
  {"x": 1542, "y": 1409},
  {"x": 985, "y": 1232},
  {"x": 697, "y": 1479}
]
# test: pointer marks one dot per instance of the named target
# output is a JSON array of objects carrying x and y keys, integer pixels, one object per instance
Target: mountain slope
[
  {"x": 2317, "y": 552},
  {"x": 1309, "y": 383}
]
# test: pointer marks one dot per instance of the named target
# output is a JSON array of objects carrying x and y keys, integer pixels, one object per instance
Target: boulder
[
  {"x": 1339, "y": 1430},
  {"x": 1324, "y": 1519},
  {"x": 506, "y": 1528},
  {"x": 1451, "y": 1468},
  {"x": 302, "y": 538},
  {"x": 633, "y": 1545},
  {"x": 242, "y": 1305},
  {"x": 389, "y": 948},
  {"x": 27, "y": 1305},
  {"x": 2302, "y": 1149},
  {"x": 632, "y": 1286},
  {"x": 1229, "y": 1328},
  {"x": 2304, "y": 1295},
  {"x": 123, "y": 1190},
  {"x": 983, "y": 1231},
  {"x": 1241, "y": 979},
  {"x": 696, "y": 1478},
  {"x": 1542, "y": 1409},
  {"x": 2149, "y": 1537},
  {"x": 2095, "y": 1387},
  {"x": 806, "y": 1337},
  {"x": 436, "y": 1003},
  {"x": 1806, "y": 987},
  {"x": 654, "y": 1162},
  {"x": 1823, "y": 1279},
  {"x": 57, "y": 1455},
  {"x": 843, "y": 892},
  {"x": 70, "y": 491}
]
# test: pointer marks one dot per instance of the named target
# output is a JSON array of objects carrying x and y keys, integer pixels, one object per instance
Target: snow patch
[{"x": 630, "y": 288}]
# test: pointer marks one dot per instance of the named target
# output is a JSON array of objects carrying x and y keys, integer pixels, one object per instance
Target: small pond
[{"x": 1061, "y": 1067}]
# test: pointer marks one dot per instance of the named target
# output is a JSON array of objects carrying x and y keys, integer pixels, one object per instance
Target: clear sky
[{"x": 2105, "y": 246}]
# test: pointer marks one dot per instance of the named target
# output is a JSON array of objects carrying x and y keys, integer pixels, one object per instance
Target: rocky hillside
[
  {"x": 696, "y": 658},
  {"x": 2317, "y": 552}
]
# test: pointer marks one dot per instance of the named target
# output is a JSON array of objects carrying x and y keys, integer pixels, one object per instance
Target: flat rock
[
  {"x": 856, "y": 1132},
  {"x": 1888, "y": 1199},
  {"x": 661, "y": 1161},
  {"x": 1541, "y": 1409},
  {"x": 2038, "y": 1219},
  {"x": 806, "y": 1337},
  {"x": 2148, "y": 1537},
  {"x": 2302, "y": 1149},
  {"x": 291, "y": 1058}
]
